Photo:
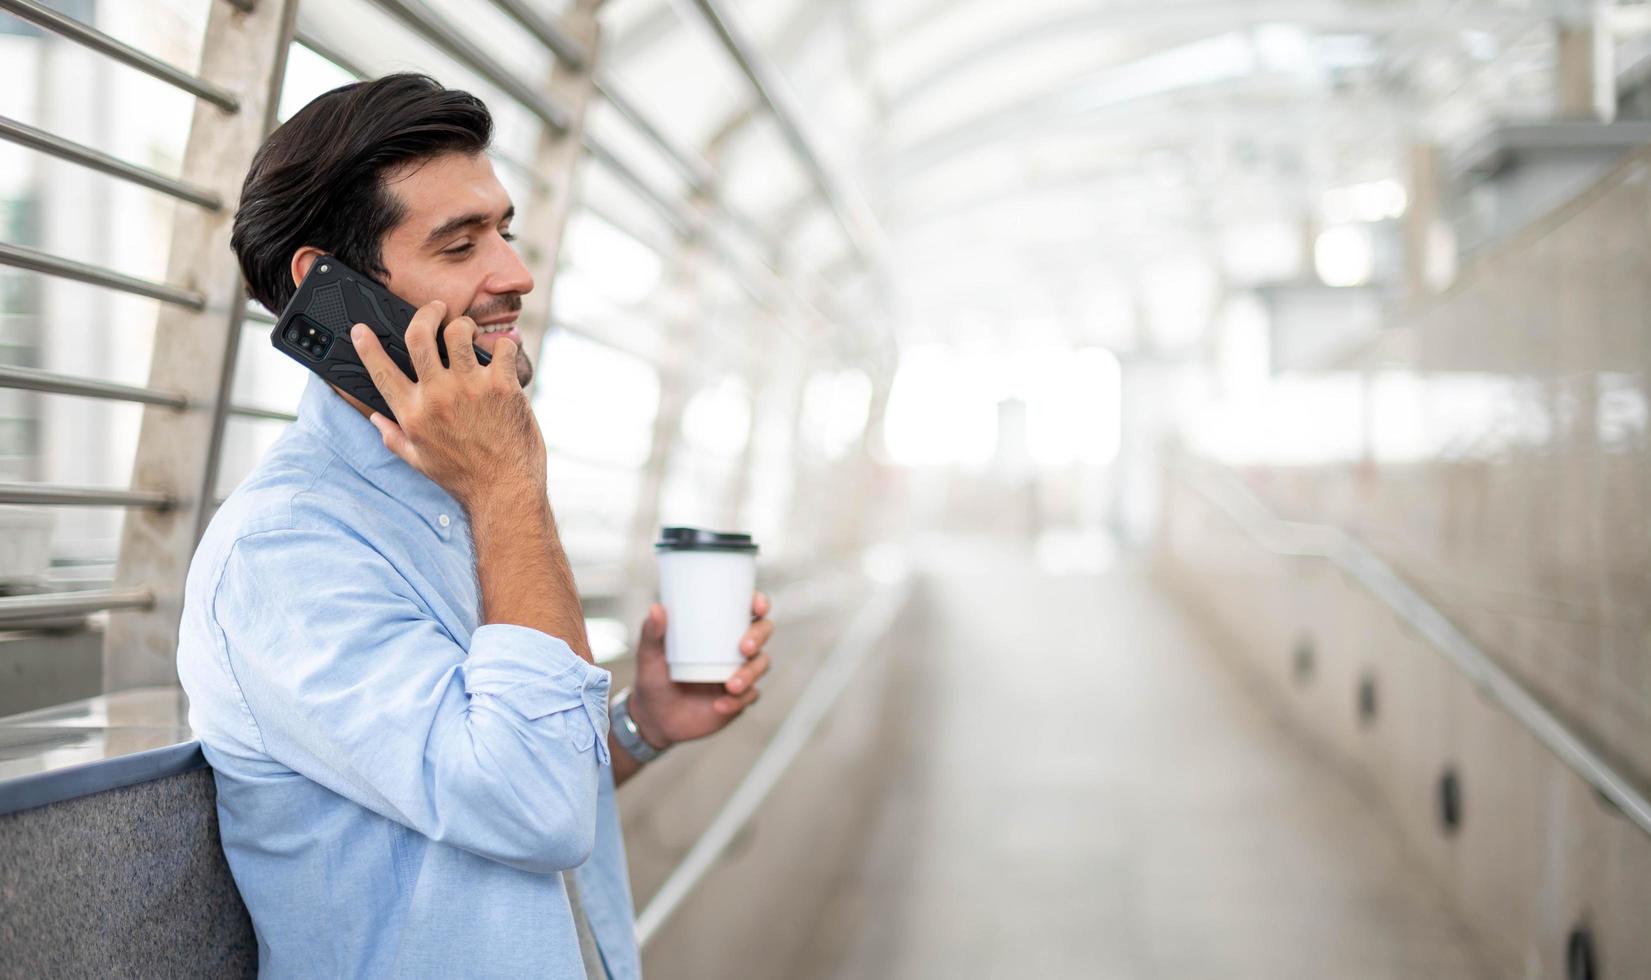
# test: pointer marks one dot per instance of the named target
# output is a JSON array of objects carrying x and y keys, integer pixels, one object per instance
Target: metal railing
[
  {"x": 38, "y": 139},
  {"x": 702, "y": 219},
  {"x": 34, "y": 260},
  {"x": 1228, "y": 495},
  {"x": 29, "y": 379},
  {"x": 22, "y": 608},
  {"x": 26, "y": 610},
  {"x": 58, "y": 495},
  {"x": 65, "y": 26}
]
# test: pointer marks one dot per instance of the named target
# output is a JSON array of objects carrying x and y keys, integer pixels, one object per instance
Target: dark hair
[{"x": 318, "y": 179}]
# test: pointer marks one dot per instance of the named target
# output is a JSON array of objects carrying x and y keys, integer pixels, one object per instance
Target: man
[{"x": 382, "y": 641}]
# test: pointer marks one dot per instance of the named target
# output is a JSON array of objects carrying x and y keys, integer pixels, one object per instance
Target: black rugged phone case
[{"x": 314, "y": 329}]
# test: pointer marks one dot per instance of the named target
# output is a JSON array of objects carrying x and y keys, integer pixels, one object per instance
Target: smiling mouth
[{"x": 500, "y": 327}]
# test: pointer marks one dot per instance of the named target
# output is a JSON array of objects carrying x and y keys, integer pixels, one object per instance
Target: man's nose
[{"x": 510, "y": 274}]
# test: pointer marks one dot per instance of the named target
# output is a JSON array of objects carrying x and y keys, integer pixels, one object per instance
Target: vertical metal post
[
  {"x": 675, "y": 383},
  {"x": 244, "y": 52},
  {"x": 558, "y": 154},
  {"x": 1420, "y": 218},
  {"x": 1574, "y": 75}
]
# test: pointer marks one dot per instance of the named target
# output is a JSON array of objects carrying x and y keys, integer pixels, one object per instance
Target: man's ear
[{"x": 302, "y": 260}]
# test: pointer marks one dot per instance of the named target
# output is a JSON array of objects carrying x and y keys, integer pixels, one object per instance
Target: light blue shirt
[{"x": 400, "y": 789}]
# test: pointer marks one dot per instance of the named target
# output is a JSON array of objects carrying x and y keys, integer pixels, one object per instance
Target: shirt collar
[{"x": 347, "y": 432}]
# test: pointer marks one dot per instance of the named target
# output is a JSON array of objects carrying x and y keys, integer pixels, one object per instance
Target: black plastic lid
[{"x": 699, "y": 539}]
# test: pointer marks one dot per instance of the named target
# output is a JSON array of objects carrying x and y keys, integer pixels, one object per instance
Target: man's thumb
[{"x": 653, "y": 631}]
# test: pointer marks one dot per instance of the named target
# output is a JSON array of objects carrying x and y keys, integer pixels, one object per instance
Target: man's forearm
[{"x": 523, "y": 573}]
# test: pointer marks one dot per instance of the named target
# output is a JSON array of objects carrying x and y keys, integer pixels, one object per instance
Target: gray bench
[{"x": 110, "y": 863}]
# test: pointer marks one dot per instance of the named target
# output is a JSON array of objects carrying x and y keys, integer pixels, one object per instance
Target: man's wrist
[
  {"x": 515, "y": 500},
  {"x": 649, "y": 733},
  {"x": 635, "y": 734}
]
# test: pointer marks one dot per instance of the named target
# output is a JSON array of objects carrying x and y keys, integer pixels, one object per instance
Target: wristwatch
[{"x": 625, "y": 731}]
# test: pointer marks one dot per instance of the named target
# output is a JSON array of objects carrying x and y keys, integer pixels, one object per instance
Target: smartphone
[{"x": 314, "y": 329}]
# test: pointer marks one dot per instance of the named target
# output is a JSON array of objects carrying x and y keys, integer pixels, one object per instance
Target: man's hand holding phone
[{"x": 467, "y": 426}]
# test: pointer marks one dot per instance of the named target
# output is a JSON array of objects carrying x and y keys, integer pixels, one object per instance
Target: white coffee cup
[{"x": 706, "y": 579}]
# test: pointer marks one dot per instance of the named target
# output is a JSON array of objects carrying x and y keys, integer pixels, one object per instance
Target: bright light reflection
[
  {"x": 1344, "y": 255},
  {"x": 1376, "y": 200},
  {"x": 835, "y": 406},
  {"x": 942, "y": 408},
  {"x": 1072, "y": 405},
  {"x": 1180, "y": 297}
]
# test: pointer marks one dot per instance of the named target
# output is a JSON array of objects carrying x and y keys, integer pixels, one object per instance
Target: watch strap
[{"x": 626, "y": 733}]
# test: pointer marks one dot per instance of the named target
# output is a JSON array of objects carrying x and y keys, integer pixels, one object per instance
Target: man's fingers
[
  {"x": 421, "y": 339},
  {"x": 504, "y": 357},
  {"x": 395, "y": 440},
  {"x": 387, "y": 377},
  {"x": 460, "y": 338},
  {"x": 653, "y": 630},
  {"x": 760, "y": 605},
  {"x": 756, "y": 636},
  {"x": 734, "y": 705},
  {"x": 747, "y": 676}
]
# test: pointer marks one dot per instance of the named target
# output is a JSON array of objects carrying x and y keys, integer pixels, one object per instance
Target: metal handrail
[
  {"x": 20, "y": 257},
  {"x": 254, "y": 412},
  {"x": 66, "y": 496},
  {"x": 44, "y": 17},
  {"x": 1355, "y": 559},
  {"x": 48, "y": 604},
  {"x": 28, "y": 379},
  {"x": 817, "y": 699},
  {"x": 38, "y": 139}
]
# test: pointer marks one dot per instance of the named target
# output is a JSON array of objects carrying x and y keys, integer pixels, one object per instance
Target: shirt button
[{"x": 444, "y": 520}]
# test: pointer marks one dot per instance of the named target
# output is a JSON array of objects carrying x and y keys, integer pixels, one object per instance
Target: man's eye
[
  {"x": 508, "y": 236},
  {"x": 457, "y": 249}
]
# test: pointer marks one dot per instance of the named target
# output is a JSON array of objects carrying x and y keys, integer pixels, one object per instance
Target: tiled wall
[{"x": 1507, "y": 476}]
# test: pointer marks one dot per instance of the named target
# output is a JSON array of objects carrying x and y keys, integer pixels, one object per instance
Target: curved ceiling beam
[
  {"x": 1075, "y": 108},
  {"x": 857, "y": 220},
  {"x": 1413, "y": 19}
]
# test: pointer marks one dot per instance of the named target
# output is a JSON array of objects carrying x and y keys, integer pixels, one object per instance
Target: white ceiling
[{"x": 1038, "y": 162}]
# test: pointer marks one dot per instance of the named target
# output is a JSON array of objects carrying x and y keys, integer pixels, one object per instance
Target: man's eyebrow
[{"x": 454, "y": 225}]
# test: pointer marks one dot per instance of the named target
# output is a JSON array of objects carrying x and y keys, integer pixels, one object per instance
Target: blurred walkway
[{"x": 1095, "y": 793}]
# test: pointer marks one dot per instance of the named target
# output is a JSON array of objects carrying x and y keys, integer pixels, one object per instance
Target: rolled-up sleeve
[{"x": 493, "y": 745}]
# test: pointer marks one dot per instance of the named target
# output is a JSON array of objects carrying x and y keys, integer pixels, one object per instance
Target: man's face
[{"x": 454, "y": 245}]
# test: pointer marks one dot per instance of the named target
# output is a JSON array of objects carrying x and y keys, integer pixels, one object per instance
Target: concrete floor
[{"x": 1099, "y": 794}]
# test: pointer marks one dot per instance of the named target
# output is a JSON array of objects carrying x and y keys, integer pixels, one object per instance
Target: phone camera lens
[{"x": 292, "y": 335}]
